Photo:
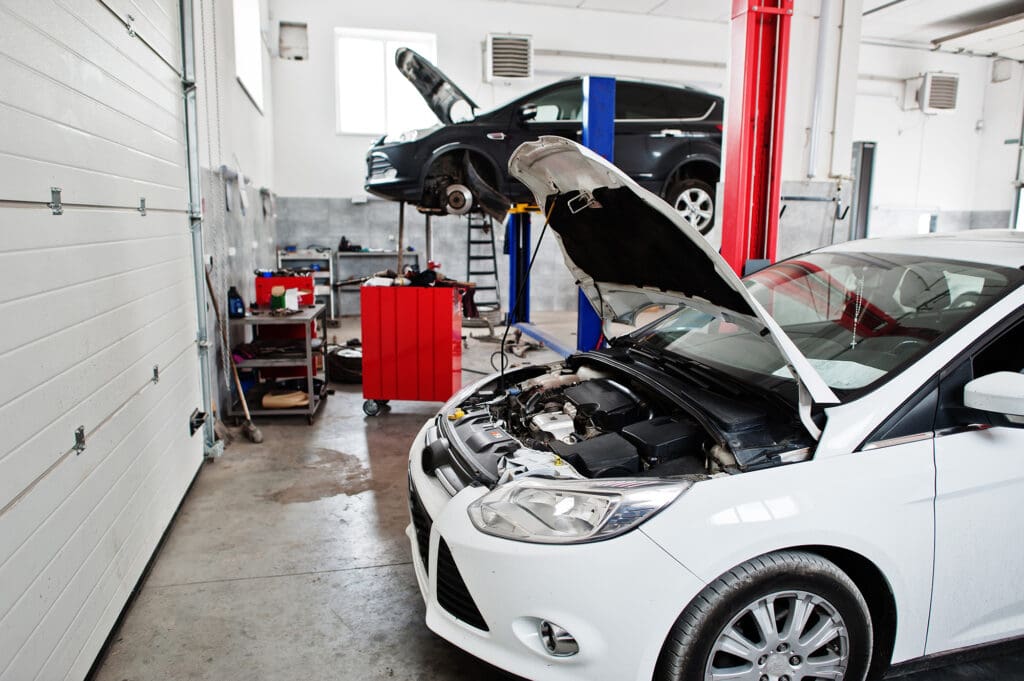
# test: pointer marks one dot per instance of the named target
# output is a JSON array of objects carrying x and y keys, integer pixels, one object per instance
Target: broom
[{"x": 250, "y": 430}]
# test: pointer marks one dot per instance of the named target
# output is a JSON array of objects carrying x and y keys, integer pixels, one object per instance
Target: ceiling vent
[
  {"x": 508, "y": 57},
  {"x": 932, "y": 93}
]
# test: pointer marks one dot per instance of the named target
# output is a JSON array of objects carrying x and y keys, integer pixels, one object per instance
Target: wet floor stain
[{"x": 323, "y": 473}]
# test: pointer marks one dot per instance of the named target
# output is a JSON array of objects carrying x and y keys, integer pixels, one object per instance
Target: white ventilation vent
[
  {"x": 508, "y": 57},
  {"x": 932, "y": 93}
]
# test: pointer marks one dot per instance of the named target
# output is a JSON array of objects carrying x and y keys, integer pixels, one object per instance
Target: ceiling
[
  {"x": 926, "y": 21},
  {"x": 700, "y": 10},
  {"x": 920, "y": 22}
]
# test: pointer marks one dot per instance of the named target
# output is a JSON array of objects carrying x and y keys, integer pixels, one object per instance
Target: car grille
[
  {"x": 421, "y": 523},
  {"x": 378, "y": 164},
  {"x": 452, "y": 593}
]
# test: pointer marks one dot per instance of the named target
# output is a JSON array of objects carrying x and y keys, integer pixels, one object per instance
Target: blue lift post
[
  {"x": 517, "y": 237},
  {"x": 598, "y": 135}
]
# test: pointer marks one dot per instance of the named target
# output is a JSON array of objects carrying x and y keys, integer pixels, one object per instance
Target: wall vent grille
[{"x": 508, "y": 57}]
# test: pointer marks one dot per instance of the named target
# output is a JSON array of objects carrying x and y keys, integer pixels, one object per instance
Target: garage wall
[
  {"x": 236, "y": 135},
  {"x": 954, "y": 165},
  {"x": 93, "y": 299},
  {"x": 320, "y": 171},
  {"x": 312, "y": 160}
]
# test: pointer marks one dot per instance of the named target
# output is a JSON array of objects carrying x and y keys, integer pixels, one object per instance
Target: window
[
  {"x": 372, "y": 96},
  {"x": 249, "y": 49},
  {"x": 563, "y": 103},
  {"x": 639, "y": 101}
]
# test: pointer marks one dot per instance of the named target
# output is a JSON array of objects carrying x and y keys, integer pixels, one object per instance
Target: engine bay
[{"x": 583, "y": 422}]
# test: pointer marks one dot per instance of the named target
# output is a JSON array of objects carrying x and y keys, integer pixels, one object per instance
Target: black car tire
[
  {"x": 690, "y": 645},
  {"x": 695, "y": 199}
]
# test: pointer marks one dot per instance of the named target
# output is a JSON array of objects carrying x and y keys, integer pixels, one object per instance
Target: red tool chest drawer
[{"x": 412, "y": 343}]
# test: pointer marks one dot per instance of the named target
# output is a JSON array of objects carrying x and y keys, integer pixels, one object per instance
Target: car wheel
[
  {"x": 785, "y": 616},
  {"x": 695, "y": 201}
]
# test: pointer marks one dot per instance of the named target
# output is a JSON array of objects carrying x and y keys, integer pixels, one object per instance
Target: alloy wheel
[
  {"x": 697, "y": 208},
  {"x": 785, "y": 636}
]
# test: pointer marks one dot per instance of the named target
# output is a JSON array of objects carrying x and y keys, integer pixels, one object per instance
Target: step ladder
[{"x": 482, "y": 263}]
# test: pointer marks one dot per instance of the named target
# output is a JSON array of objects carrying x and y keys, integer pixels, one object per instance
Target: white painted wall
[
  {"x": 312, "y": 160},
  {"x": 947, "y": 163}
]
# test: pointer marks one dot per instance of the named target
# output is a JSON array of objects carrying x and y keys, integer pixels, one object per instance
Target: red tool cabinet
[{"x": 412, "y": 344}]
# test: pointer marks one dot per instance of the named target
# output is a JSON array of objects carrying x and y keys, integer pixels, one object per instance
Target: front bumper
[{"x": 618, "y": 598}]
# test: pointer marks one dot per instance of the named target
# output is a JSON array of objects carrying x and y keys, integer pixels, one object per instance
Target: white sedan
[{"x": 810, "y": 474}]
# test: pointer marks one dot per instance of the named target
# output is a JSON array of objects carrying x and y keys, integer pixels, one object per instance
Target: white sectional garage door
[{"x": 91, "y": 301}]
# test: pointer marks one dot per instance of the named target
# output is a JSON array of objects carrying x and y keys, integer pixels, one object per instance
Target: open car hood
[
  {"x": 440, "y": 94},
  {"x": 628, "y": 250}
]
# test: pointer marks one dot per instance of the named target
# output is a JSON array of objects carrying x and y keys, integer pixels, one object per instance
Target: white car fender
[{"x": 877, "y": 504}]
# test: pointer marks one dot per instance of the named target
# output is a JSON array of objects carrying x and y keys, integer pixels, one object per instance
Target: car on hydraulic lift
[
  {"x": 667, "y": 138},
  {"x": 811, "y": 473}
]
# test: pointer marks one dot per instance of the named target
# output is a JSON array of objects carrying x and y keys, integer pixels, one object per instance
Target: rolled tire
[
  {"x": 695, "y": 201},
  {"x": 784, "y": 615}
]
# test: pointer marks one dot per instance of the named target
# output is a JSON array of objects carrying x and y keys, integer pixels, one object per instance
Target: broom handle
[{"x": 224, "y": 340}]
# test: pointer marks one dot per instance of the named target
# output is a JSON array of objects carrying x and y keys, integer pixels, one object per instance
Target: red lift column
[{"x": 756, "y": 105}]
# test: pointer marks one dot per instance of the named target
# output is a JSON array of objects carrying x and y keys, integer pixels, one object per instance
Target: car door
[
  {"x": 978, "y": 585},
  {"x": 654, "y": 127}
]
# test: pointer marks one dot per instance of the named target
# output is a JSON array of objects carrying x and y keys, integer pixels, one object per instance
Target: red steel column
[{"x": 757, "y": 105}]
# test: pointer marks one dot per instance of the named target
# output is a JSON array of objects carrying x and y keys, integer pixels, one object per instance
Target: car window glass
[
  {"x": 560, "y": 104},
  {"x": 1002, "y": 354},
  {"x": 857, "y": 317},
  {"x": 640, "y": 101}
]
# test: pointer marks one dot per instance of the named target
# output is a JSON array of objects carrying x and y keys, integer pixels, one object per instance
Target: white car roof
[{"x": 1003, "y": 247}]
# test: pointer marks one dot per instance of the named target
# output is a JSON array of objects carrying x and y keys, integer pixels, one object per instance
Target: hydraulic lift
[{"x": 599, "y": 135}]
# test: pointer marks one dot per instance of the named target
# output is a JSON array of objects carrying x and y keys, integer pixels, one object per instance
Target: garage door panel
[
  {"x": 36, "y": 228},
  {"x": 99, "y": 44},
  {"x": 32, "y": 366},
  {"x": 77, "y": 305},
  {"x": 117, "y": 519},
  {"x": 26, "y": 49},
  {"x": 68, "y": 106},
  {"x": 111, "y": 165},
  {"x": 74, "y": 265},
  {"x": 156, "y": 24},
  {"x": 92, "y": 391}
]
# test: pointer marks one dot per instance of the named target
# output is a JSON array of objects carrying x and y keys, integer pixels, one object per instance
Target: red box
[
  {"x": 304, "y": 284},
  {"x": 412, "y": 343}
]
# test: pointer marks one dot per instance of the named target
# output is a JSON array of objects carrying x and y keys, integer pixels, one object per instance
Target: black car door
[
  {"x": 655, "y": 126},
  {"x": 555, "y": 110}
]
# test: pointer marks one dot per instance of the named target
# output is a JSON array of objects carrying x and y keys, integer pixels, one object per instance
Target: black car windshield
[{"x": 858, "y": 318}]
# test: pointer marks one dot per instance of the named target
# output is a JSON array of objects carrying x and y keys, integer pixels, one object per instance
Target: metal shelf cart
[
  {"x": 323, "y": 280},
  {"x": 306, "y": 318}
]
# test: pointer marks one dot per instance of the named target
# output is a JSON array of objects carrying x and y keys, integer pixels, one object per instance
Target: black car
[{"x": 667, "y": 138}]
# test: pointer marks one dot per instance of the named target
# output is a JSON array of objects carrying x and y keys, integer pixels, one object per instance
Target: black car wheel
[
  {"x": 695, "y": 201},
  {"x": 781, "y": 617}
]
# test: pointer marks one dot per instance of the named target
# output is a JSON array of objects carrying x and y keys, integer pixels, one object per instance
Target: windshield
[{"x": 858, "y": 318}]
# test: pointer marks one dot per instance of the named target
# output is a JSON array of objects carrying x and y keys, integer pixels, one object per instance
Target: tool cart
[{"x": 412, "y": 344}]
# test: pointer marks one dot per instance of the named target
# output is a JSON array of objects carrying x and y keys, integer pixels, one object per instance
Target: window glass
[
  {"x": 372, "y": 96},
  {"x": 647, "y": 101},
  {"x": 856, "y": 317},
  {"x": 564, "y": 103}
]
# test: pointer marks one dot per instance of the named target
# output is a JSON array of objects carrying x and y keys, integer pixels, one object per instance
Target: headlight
[{"x": 549, "y": 512}]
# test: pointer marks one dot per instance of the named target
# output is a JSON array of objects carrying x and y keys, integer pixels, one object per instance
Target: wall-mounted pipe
[{"x": 824, "y": 34}]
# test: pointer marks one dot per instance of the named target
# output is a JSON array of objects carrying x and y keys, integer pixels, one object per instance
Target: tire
[
  {"x": 830, "y": 599},
  {"x": 695, "y": 200}
]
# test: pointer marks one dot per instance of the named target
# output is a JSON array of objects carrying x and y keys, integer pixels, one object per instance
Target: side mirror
[
  {"x": 1001, "y": 393},
  {"x": 527, "y": 112}
]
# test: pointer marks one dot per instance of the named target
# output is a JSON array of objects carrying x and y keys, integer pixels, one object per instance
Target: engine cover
[{"x": 609, "y": 405}]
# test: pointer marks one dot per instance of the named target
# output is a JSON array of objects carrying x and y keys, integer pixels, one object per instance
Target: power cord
[{"x": 519, "y": 296}]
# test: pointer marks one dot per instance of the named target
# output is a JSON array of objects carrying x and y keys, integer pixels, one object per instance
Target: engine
[{"x": 584, "y": 423}]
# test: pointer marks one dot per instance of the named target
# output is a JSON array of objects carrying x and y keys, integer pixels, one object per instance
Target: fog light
[
  {"x": 557, "y": 641},
  {"x": 390, "y": 174}
]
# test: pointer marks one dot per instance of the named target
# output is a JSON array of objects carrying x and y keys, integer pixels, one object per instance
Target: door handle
[
  {"x": 668, "y": 132},
  {"x": 496, "y": 136}
]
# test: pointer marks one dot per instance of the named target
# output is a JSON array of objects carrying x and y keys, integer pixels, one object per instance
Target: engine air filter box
[
  {"x": 604, "y": 456},
  {"x": 664, "y": 438}
]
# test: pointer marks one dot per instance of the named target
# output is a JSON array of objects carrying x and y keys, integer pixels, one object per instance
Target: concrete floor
[{"x": 288, "y": 560}]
